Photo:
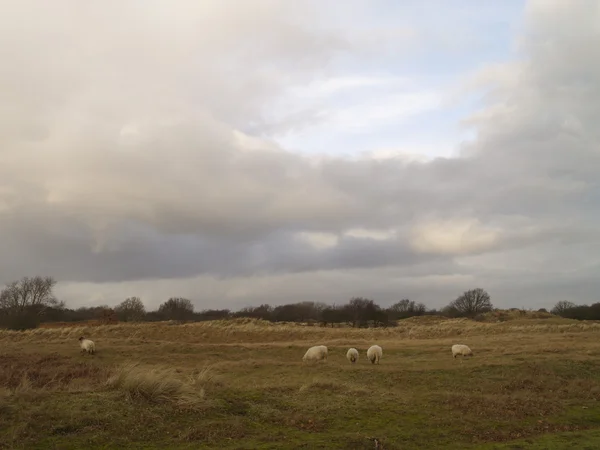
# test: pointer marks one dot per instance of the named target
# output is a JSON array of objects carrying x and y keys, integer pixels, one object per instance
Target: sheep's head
[{"x": 81, "y": 338}]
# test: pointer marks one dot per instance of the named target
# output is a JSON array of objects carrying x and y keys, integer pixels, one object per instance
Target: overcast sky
[{"x": 243, "y": 152}]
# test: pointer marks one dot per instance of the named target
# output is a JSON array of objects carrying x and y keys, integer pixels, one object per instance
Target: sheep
[
  {"x": 352, "y": 355},
  {"x": 460, "y": 349},
  {"x": 316, "y": 353},
  {"x": 374, "y": 354},
  {"x": 87, "y": 345}
]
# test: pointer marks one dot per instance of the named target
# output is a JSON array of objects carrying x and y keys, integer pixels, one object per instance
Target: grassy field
[{"x": 532, "y": 384}]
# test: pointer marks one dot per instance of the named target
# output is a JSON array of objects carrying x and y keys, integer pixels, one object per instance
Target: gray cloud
[{"x": 124, "y": 167}]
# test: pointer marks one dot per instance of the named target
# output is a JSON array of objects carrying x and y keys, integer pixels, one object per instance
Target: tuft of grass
[
  {"x": 158, "y": 385},
  {"x": 206, "y": 375}
]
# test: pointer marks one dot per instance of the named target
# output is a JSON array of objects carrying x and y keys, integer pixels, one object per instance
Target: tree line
[
  {"x": 28, "y": 302},
  {"x": 570, "y": 310}
]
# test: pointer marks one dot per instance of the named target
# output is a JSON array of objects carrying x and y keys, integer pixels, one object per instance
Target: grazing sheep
[
  {"x": 352, "y": 355},
  {"x": 460, "y": 349},
  {"x": 316, "y": 353},
  {"x": 87, "y": 345},
  {"x": 374, "y": 354}
]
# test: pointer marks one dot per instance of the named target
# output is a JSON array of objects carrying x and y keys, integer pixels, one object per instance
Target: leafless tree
[
  {"x": 177, "y": 308},
  {"x": 131, "y": 310},
  {"x": 562, "y": 306},
  {"x": 406, "y": 308},
  {"x": 23, "y": 301},
  {"x": 359, "y": 311},
  {"x": 472, "y": 302},
  {"x": 28, "y": 293}
]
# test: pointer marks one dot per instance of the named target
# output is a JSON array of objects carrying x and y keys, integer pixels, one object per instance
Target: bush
[
  {"x": 19, "y": 321},
  {"x": 579, "y": 312}
]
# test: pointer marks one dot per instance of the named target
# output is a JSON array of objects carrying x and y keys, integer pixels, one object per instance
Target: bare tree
[
  {"x": 298, "y": 312},
  {"x": 331, "y": 315},
  {"x": 561, "y": 307},
  {"x": 472, "y": 302},
  {"x": 177, "y": 308},
  {"x": 406, "y": 308},
  {"x": 264, "y": 312},
  {"x": 359, "y": 311},
  {"x": 131, "y": 310},
  {"x": 23, "y": 301}
]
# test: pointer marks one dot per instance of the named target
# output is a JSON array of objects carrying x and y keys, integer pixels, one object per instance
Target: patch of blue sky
[{"x": 396, "y": 95}]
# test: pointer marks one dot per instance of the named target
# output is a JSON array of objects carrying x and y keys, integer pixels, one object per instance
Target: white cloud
[
  {"x": 380, "y": 111},
  {"x": 140, "y": 159},
  {"x": 319, "y": 241},
  {"x": 454, "y": 237},
  {"x": 320, "y": 89},
  {"x": 417, "y": 154},
  {"x": 346, "y": 104},
  {"x": 378, "y": 235}
]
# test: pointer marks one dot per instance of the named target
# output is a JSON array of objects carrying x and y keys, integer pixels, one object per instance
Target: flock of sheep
[
  {"x": 316, "y": 353},
  {"x": 374, "y": 353},
  {"x": 319, "y": 352}
]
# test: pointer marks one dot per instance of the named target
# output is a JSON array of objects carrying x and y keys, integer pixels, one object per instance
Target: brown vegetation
[
  {"x": 157, "y": 384},
  {"x": 241, "y": 384},
  {"x": 246, "y": 330}
]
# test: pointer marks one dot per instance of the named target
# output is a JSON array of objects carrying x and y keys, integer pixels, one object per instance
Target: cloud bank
[{"x": 157, "y": 151}]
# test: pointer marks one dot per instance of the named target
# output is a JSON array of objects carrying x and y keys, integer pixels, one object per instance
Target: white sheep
[
  {"x": 316, "y": 353},
  {"x": 87, "y": 345},
  {"x": 374, "y": 354},
  {"x": 352, "y": 355},
  {"x": 460, "y": 349}
]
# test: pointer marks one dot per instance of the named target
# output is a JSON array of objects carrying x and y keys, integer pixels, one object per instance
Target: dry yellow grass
[
  {"x": 158, "y": 385},
  {"x": 259, "y": 331},
  {"x": 242, "y": 384}
]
